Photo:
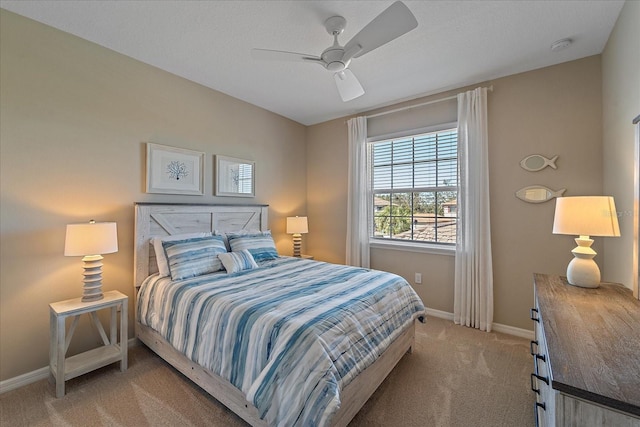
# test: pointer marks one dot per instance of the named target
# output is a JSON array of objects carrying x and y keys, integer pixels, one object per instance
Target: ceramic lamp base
[
  {"x": 92, "y": 289},
  {"x": 583, "y": 270}
]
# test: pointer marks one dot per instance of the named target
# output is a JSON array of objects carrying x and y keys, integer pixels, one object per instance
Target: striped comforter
[{"x": 290, "y": 334}]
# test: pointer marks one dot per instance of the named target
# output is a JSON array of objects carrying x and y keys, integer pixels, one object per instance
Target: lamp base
[
  {"x": 583, "y": 270},
  {"x": 583, "y": 273},
  {"x": 89, "y": 298},
  {"x": 297, "y": 240},
  {"x": 92, "y": 289}
]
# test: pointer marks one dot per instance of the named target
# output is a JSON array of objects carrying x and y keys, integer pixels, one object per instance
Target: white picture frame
[
  {"x": 234, "y": 177},
  {"x": 172, "y": 170}
]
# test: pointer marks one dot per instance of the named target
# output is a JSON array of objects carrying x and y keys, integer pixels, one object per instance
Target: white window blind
[{"x": 414, "y": 183}]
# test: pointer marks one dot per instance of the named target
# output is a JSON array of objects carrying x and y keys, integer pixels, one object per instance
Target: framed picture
[
  {"x": 173, "y": 170},
  {"x": 235, "y": 177}
]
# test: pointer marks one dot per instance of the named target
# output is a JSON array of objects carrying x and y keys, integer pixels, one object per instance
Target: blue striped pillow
[
  {"x": 260, "y": 245},
  {"x": 194, "y": 257},
  {"x": 237, "y": 261}
]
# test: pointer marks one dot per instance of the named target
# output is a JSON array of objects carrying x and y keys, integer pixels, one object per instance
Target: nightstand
[
  {"x": 306, "y": 256},
  {"x": 62, "y": 368}
]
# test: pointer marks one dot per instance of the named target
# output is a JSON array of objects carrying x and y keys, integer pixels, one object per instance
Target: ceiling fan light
[{"x": 348, "y": 85}]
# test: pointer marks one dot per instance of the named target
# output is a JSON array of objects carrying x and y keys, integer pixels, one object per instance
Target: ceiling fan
[{"x": 393, "y": 22}]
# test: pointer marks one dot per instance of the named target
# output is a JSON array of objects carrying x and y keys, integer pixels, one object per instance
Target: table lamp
[
  {"x": 297, "y": 225},
  {"x": 585, "y": 216},
  {"x": 91, "y": 240}
]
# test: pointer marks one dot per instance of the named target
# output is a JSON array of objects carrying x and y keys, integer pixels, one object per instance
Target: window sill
[{"x": 414, "y": 247}]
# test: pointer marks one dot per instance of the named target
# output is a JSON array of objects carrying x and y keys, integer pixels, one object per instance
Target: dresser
[{"x": 586, "y": 354}]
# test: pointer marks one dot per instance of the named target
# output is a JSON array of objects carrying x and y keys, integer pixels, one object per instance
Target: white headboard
[{"x": 163, "y": 219}]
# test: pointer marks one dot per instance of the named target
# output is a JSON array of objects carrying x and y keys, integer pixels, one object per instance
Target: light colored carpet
[{"x": 455, "y": 376}]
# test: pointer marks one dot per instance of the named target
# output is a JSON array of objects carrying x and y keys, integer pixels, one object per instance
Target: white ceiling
[{"x": 457, "y": 43}]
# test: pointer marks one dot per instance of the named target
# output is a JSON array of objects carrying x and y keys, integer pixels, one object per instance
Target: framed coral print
[
  {"x": 172, "y": 170},
  {"x": 235, "y": 177}
]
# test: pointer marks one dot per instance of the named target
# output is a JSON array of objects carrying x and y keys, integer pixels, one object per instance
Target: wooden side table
[{"x": 62, "y": 368}]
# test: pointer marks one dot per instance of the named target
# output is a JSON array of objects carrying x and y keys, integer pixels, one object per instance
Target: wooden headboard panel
[{"x": 160, "y": 219}]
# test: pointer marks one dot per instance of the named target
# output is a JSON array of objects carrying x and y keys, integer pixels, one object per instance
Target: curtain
[
  {"x": 358, "y": 197},
  {"x": 473, "y": 293}
]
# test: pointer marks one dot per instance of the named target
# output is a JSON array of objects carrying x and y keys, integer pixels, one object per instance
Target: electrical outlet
[{"x": 418, "y": 278}]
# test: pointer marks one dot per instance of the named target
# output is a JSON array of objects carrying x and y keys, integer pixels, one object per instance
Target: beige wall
[
  {"x": 74, "y": 117},
  {"x": 327, "y": 190},
  {"x": 551, "y": 111},
  {"x": 621, "y": 104}
]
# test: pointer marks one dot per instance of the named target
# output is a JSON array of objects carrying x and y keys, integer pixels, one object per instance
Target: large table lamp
[
  {"x": 297, "y": 225},
  {"x": 585, "y": 216},
  {"x": 91, "y": 240}
]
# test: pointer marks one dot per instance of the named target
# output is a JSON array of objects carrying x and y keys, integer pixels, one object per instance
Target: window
[{"x": 414, "y": 182}]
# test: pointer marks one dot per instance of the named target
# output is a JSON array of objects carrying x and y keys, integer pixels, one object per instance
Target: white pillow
[
  {"x": 161, "y": 256},
  {"x": 237, "y": 261}
]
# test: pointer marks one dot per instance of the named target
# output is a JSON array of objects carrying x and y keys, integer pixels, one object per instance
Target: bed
[{"x": 333, "y": 375}]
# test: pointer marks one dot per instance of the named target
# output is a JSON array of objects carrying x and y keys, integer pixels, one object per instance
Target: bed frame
[{"x": 153, "y": 219}]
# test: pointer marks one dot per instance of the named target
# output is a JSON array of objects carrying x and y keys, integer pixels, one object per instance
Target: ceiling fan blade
[
  {"x": 280, "y": 55},
  {"x": 348, "y": 85},
  {"x": 393, "y": 22}
]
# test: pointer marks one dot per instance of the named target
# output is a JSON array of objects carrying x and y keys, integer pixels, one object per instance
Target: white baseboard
[
  {"x": 511, "y": 330},
  {"x": 439, "y": 314},
  {"x": 24, "y": 379},
  {"x": 43, "y": 373},
  {"x": 38, "y": 374},
  {"x": 497, "y": 327}
]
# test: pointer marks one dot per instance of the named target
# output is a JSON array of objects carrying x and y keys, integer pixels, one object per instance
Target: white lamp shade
[
  {"x": 586, "y": 216},
  {"x": 92, "y": 238},
  {"x": 297, "y": 225}
]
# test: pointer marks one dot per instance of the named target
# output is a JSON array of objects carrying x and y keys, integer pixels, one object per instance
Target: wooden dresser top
[{"x": 593, "y": 340}]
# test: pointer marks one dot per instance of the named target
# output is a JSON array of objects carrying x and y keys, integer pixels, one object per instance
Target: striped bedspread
[{"x": 290, "y": 334}]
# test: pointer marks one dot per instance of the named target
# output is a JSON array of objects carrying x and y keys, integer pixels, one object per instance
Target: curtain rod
[{"x": 435, "y": 101}]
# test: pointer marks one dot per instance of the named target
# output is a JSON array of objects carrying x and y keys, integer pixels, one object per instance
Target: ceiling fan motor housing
[{"x": 332, "y": 57}]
